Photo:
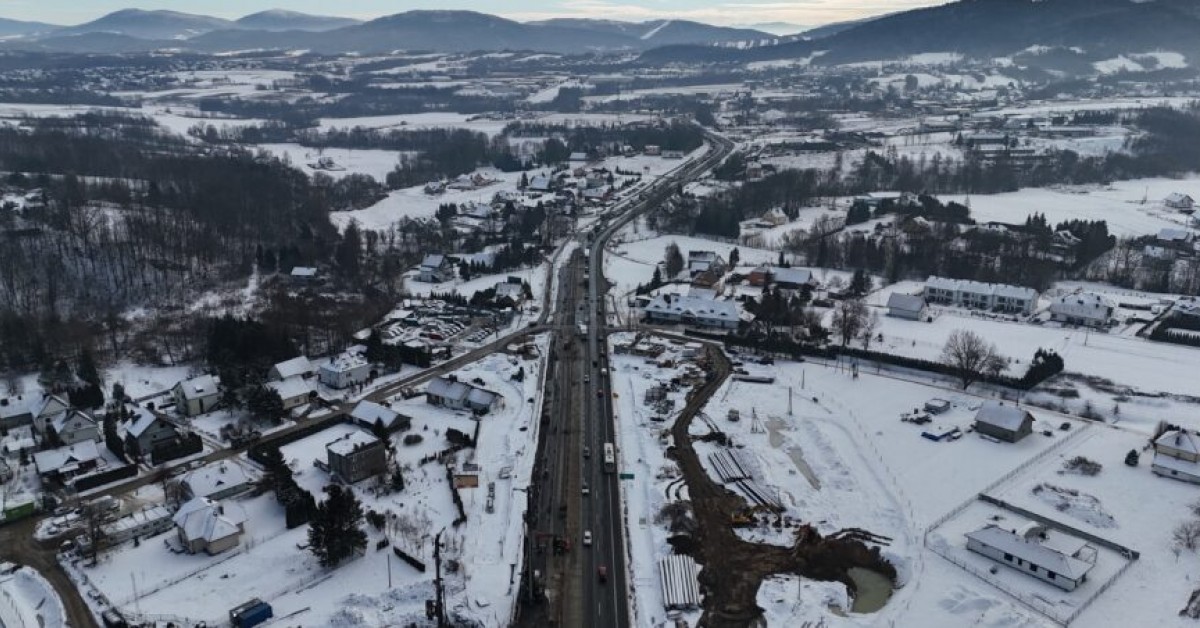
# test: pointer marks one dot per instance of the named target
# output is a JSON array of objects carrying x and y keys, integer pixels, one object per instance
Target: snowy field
[
  {"x": 632, "y": 262},
  {"x": 376, "y": 163},
  {"x": 414, "y": 203},
  {"x": 151, "y": 581},
  {"x": 1120, "y": 204}
]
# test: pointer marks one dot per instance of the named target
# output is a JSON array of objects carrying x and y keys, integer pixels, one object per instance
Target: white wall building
[
  {"x": 1084, "y": 308},
  {"x": 693, "y": 310},
  {"x": 344, "y": 371},
  {"x": 1063, "y": 562},
  {"x": 196, "y": 396},
  {"x": 981, "y": 296}
]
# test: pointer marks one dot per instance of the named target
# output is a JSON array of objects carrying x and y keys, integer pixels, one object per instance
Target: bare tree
[
  {"x": 970, "y": 356},
  {"x": 1186, "y": 535},
  {"x": 870, "y": 325},
  {"x": 848, "y": 319},
  {"x": 94, "y": 517}
]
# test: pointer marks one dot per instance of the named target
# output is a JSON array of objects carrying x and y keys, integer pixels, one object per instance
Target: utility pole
[{"x": 440, "y": 599}]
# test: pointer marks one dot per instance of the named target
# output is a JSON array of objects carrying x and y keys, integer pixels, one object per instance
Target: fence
[
  {"x": 1073, "y": 531},
  {"x": 1035, "y": 605}
]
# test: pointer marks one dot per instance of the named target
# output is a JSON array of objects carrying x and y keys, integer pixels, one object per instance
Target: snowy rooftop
[
  {"x": 295, "y": 366},
  {"x": 978, "y": 287},
  {"x": 1000, "y": 415},
  {"x": 202, "y": 518},
  {"x": 698, "y": 307},
  {"x": 1180, "y": 440},
  {"x": 351, "y": 443},
  {"x": 905, "y": 302},
  {"x": 203, "y": 386},
  {"x": 57, "y": 459},
  {"x": 1031, "y": 551},
  {"x": 214, "y": 478},
  {"x": 368, "y": 412},
  {"x": 291, "y": 387},
  {"x": 145, "y": 419},
  {"x": 344, "y": 362}
]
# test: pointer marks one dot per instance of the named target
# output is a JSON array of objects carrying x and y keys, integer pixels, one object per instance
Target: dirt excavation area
[{"x": 732, "y": 567}]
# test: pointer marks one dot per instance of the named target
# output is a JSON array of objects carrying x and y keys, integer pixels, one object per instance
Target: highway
[{"x": 607, "y": 604}]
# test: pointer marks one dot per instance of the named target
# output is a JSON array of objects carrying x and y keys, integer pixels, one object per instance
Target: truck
[{"x": 251, "y": 613}]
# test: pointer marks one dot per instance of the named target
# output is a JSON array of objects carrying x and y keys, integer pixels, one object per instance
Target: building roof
[
  {"x": 1002, "y": 416},
  {"x": 979, "y": 287},
  {"x": 481, "y": 397},
  {"x": 1179, "y": 439},
  {"x": 791, "y": 275},
  {"x": 60, "y": 421},
  {"x": 214, "y": 478},
  {"x": 304, "y": 271},
  {"x": 291, "y": 387},
  {"x": 137, "y": 519},
  {"x": 64, "y": 457},
  {"x": 447, "y": 389},
  {"x": 1031, "y": 551},
  {"x": 344, "y": 362},
  {"x": 905, "y": 302},
  {"x": 351, "y": 443},
  {"x": 1177, "y": 198},
  {"x": 15, "y": 408},
  {"x": 145, "y": 419},
  {"x": 433, "y": 260},
  {"x": 52, "y": 405},
  {"x": 299, "y": 365},
  {"x": 1167, "y": 234},
  {"x": 198, "y": 387},
  {"x": 368, "y": 412},
  {"x": 204, "y": 519},
  {"x": 1083, "y": 304},
  {"x": 696, "y": 307}
]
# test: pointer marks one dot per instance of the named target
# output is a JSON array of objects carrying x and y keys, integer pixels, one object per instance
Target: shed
[{"x": 1007, "y": 423}]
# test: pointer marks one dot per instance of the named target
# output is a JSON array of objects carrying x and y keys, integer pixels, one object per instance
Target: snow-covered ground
[
  {"x": 376, "y": 163},
  {"x": 375, "y": 589}
]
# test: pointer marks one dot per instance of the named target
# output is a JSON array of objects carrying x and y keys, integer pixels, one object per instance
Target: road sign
[{"x": 626, "y": 476}]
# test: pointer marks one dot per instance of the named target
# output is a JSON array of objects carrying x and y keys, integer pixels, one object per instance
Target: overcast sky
[{"x": 804, "y": 12}]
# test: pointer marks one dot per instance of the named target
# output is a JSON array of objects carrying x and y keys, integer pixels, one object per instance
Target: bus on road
[{"x": 610, "y": 458}]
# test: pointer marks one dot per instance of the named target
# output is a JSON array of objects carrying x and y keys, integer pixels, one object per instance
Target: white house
[
  {"x": 303, "y": 274},
  {"x": 206, "y": 526},
  {"x": 197, "y": 395},
  {"x": 1177, "y": 456},
  {"x": 693, "y": 310},
  {"x": 296, "y": 367},
  {"x": 704, "y": 261},
  {"x": 792, "y": 277},
  {"x": 459, "y": 395},
  {"x": 1061, "y": 561},
  {"x": 1084, "y": 308},
  {"x": 50, "y": 407},
  {"x": 75, "y": 426},
  {"x": 216, "y": 481},
  {"x": 1182, "y": 202},
  {"x": 909, "y": 306},
  {"x": 294, "y": 391},
  {"x": 344, "y": 371},
  {"x": 148, "y": 432},
  {"x": 981, "y": 296},
  {"x": 435, "y": 268}
]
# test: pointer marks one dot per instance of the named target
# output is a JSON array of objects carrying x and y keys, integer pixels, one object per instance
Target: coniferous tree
[{"x": 335, "y": 532}]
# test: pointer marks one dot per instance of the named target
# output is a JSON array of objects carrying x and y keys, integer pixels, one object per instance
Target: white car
[
  {"x": 586, "y": 492},
  {"x": 587, "y": 538}
]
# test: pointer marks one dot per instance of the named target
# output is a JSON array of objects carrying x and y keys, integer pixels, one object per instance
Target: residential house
[
  {"x": 793, "y": 278},
  {"x": 149, "y": 432},
  {"x": 511, "y": 292},
  {"x": 51, "y": 406},
  {"x": 541, "y": 183},
  {"x": 1062, "y": 561},
  {"x": 693, "y": 310},
  {"x": 435, "y": 268},
  {"x": 908, "y": 306},
  {"x": 981, "y": 296},
  {"x": 75, "y": 426},
  {"x": 1177, "y": 455},
  {"x": 65, "y": 463},
  {"x": 1003, "y": 422},
  {"x": 1182, "y": 202},
  {"x": 345, "y": 370},
  {"x": 759, "y": 277},
  {"x": 704, "y": 261},
  {"x": 1180, "y": 239},
  {"x": 1084, "y": 308},
  {"x": 296, "y": 367},
  {"x": 294, "y": 391},
  {"x": 141, "y": 524},
  {"x": 303, "y": 275},
  {"x": 15, "y": 412},
  {"x": 460, "y": 396},
  {"x": 197, "y": 395},
  {"x": 356, "y": 456},
  {"x": 652, "y": 150},
  {"x": 754, "y": 171},
  {"x": 206, "y": 526},
  {"x": 578, "y": 157},
  {"x": 216, "y": 481},
  {"x": 369, "y": 413}
]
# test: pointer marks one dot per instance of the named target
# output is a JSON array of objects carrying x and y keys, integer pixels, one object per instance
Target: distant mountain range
[
  {"x": 131, "y": 30},
  {"x": 1090, "y": 30}
]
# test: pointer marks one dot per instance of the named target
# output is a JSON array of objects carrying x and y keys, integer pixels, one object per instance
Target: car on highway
[
  {"x": 586, "y": 490},
  {"x": 587, "y": 538},
  {"x": 587, "y": 451},
  {"x": 602, "y": 574}
]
